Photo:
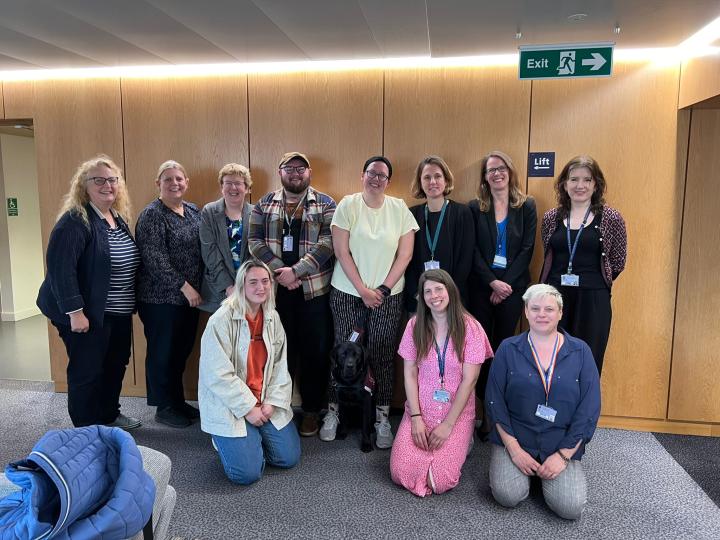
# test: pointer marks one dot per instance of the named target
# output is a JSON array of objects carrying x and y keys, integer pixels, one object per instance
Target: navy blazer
[
  {"x": 514, "y": 390},
  {"x": 78, "y": 268},
  {"x": 520, "y": 238}
]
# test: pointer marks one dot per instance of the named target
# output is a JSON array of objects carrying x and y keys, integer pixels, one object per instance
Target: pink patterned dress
[{"x": 409, "y": 465}]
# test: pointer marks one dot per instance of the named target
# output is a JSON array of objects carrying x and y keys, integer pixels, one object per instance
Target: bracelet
[
  {"x": 385, "y": 290},
  {"x": 564, "y": 458},
  {"x": 414, "y": 415}
]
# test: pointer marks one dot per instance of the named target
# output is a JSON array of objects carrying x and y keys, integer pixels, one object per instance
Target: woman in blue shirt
[{"x": 543, "y": 402}]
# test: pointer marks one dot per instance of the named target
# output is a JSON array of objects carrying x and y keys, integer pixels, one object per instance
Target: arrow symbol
[
  {"x": 597, "y": 61},
  {"x": 538, "y": 167}
]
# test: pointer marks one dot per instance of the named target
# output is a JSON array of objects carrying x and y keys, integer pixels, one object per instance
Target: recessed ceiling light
[{"x": 577, "y": 17}]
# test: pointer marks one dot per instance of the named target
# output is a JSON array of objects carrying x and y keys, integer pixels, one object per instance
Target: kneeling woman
[
  {"x": 443, "y": 347},
  {"x": 245, "y": 388},
  {"x": 543, "y": 401}
]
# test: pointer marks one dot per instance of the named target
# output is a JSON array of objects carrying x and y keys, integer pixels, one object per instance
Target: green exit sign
[
  {"x": 566, "y": 61},
  {"x": 12, "y": 206}
]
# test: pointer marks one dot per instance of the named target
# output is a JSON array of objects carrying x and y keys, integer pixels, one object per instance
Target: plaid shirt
[{"x": 314, "y": 269}]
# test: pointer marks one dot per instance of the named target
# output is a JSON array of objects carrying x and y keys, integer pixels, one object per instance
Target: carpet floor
[{"x": 636, "y": 488}]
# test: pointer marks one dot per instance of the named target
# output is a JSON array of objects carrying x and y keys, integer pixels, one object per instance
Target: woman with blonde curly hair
[{"x": 89, "y": 291}]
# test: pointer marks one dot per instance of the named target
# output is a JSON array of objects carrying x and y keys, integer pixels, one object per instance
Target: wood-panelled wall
[{"x": 628, "y": 122}]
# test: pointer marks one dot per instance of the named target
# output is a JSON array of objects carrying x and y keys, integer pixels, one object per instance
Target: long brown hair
[
  {"x": 598, "y": 197},
  {"x": 516, "y": 198},
  {"x": 423, "y": 333}
]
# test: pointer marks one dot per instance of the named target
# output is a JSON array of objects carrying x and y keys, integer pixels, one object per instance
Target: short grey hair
[{"x": 540, "y": 290}]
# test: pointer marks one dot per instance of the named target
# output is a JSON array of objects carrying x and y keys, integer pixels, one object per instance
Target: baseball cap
[{"x": 292, "y": 155}]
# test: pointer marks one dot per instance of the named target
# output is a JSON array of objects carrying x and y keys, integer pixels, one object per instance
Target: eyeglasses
[
  {"x": 372, "y": 175},
  {"x": 289, "y": 169},
  {"x": 501, "y": 169},
  {"x": 100, "y": 181},
  {"x": 235, "y": 185}
]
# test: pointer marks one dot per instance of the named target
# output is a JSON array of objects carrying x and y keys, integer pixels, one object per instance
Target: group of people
[{"x": 289, "y": 277}]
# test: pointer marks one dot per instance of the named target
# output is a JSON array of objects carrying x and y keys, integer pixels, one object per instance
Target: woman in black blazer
[
  {"x": 505, "y": 225},
  {"x": 455, "y": 244}
]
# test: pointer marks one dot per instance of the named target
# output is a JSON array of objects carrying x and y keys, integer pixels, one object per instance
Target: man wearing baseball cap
[{"x": 290, "y": 232}]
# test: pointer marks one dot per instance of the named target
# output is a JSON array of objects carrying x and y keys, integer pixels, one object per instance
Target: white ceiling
[{"x": 97, "y": 33}]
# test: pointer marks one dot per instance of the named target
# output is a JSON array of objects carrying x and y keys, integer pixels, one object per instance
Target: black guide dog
[{"x": 354, "y": 383}]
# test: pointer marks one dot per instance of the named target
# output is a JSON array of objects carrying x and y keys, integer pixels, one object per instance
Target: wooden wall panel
[
  {"x": 74, "y": 120},
  {"x": 335, "y": 118},
  {"x": 627, "y": 122},
  {"x": 699, "y": 80},
  {"x": 19, "y": 99},
  {"x": 695, "y": 381},
  {"x": 459, "y": 114},
  {"x": 2, "y": 102}
]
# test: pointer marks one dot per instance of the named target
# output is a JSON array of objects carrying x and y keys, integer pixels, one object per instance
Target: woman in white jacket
[{"x": 244, "y": 388}]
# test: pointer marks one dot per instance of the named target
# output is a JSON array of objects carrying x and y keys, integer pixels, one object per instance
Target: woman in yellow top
[{"x": 373, "y": 236}]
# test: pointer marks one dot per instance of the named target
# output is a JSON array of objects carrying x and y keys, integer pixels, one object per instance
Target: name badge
[
  {"x": 546, "y": 413},
  {"x": 287, "y": 243},
  {"x": 432, "y": 265},
  {"x": 441, "y": 395},
  {"x": 500, "y": 262},
  {"x": 570, "y": 280}
]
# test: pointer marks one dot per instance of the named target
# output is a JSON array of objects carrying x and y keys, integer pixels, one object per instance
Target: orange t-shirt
[{"x": 257, "y": 355}]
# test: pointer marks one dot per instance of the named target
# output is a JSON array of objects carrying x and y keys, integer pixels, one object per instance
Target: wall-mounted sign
[
  {"x": 12, "y": 206},
  {"x": 541, "y": 164},
  {"x": 566, "y": 61}
]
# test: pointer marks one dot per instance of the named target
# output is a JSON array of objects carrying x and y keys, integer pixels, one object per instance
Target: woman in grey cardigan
[{"x": 224, "y": 226}]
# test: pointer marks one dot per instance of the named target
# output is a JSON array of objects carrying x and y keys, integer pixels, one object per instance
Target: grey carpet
[{"x": 636, "y": 489}]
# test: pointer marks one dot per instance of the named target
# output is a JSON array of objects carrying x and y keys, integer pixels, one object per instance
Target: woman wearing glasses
[
  {"x": 89, "y": 291},
  {"x": 373, "y": 237},
  {"x": 224, "y": 226},
  {"x": 505, "y": 225},
  {"x": 168, "y": 284}
]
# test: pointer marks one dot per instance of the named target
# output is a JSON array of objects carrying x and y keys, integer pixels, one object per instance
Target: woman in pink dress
[{"x": 443, "y": 348}]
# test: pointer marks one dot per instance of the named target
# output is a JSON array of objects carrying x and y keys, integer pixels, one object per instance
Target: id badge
[
  {"x": 432, "y": 265},
  {"x": 441, "y": 395},
  {"x": 546, "y": 413},
  {"x": 570, "y": 280},
  {"x": 500, "y": 262},
  {"x": 287, "y": 243}
]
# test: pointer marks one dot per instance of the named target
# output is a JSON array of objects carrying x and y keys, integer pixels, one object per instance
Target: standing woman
[
  {"x": 585, "y": 249},
  {"x": 443, "y": 347},
  {"x": 373, "y": 237},
  {"x": 168, "y": 237},
  {"x": 89, "y": 291},
  {"x": 224, "y": 226},
  {"x": 505, "y": 224},
  {"x": 244, "y": 387},
  {"x": 446, "y": 238}
]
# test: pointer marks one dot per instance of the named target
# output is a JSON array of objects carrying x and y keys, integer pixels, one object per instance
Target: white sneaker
[
  {"x": 329, "y": 427},
  {"x": 384, "y": 437}
]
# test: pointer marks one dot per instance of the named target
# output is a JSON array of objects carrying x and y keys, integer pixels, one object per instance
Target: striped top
[{"x": 124, "y": 262}]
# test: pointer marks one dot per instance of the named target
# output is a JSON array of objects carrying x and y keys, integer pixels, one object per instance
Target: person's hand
[
  {"x": 372, "y": 298},
  {"x": 286, "y": 277},
  {"x": 267, "y": 410},
  {"x": 523, "y": 461},
  {"x": 193, "y": 297},
  {"x": 256, "y": 417},
  {"x": 502, "y": 289},
  {"x": 439, "y": 435},
  {"x": 79, "y": 322},
  {"x": 294, "y": 285},
  {"x": 229, "y": 290},
  {"x": 552, "y": 467},
  {"x": 419, "y": 432},
  {"x": 495, "y": 298}
]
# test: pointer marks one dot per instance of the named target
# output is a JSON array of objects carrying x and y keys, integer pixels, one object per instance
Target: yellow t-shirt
[{"x": 374, "y": 237}]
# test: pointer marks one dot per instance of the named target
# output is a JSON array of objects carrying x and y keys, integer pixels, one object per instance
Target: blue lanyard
[
  {"x": 500, "y": 237},
  {"x": 432, "y": 245},
  {"x": 441, "y": 358},
  {"x": 573, "y": 247},
  {"x": 545, "y": 374}
]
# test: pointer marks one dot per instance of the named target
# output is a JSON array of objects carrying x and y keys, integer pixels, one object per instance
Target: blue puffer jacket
[{"x": 78, "y": 484}]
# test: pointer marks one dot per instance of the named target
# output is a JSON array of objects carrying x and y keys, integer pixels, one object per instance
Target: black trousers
[
  {"x": 170, "y": 333},
  {"x": 587, "y": 314},
  {"x": 499, "y": 322},
  {"x": 95, "y": 372},
  {"x": 308, "y": 327}
]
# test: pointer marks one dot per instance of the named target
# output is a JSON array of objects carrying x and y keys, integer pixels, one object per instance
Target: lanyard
[
  {"x": 573, "y": 247},
  {"x": 292, "y": 218},
  {"x": 432, "y": 245},
  {"x": 500, "y": 237},
  {"x": 545, "y": 376},
  {"x": 441, "y": 358}
]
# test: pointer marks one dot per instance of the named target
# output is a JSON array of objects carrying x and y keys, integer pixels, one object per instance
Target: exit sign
[{"x": 566, "y": 61}]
